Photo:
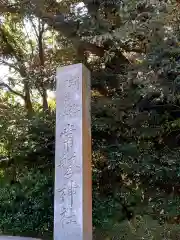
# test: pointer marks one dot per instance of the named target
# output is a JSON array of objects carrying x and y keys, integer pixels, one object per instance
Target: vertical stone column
[{"x": 73, "y": 184}]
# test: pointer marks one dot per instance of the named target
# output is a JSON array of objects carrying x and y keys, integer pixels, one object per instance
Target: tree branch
[
  {"x": 30, "y": 41},
  {"x": 9, "y": 65},
  {"x": 9, "y": 9},
  {"x": 2, "y": 84},
  {"x": 12, "y": 8},
  {"x": 68, "y": 28},
  {"x": 34, "y": 27}
]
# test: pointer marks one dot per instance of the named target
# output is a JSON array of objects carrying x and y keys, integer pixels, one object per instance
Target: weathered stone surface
[{"x": 73, "y": 200}]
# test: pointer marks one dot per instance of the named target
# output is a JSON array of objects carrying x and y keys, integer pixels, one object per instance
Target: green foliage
[
  {"x": 135, "y": 114},
  {"x": 140, "y": 228},
  {"x": 26, "y": 179},
  {"x": 27, "y": 203}
]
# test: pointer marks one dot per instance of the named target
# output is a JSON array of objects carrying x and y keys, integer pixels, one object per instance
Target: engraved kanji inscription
[
  {"x": 72, "y": 82},
  {"x": 68, "y": 216},
  {"x": 67, "y": 194},
  {"x": 72, "y": 191},
  {"x": 70, "y": 109},
  {"x": 71, "y": 218},
  {"x": 69, "y": 165},
  {"x": 70, "y": 170},
  {"x": 62, "y": 194},
  {"x": 63, "y": 212},
  {"x": 67, "y": 159},
  {"x": 67, "y": 136},
  {"x": 68, "y": 191},
  {"x": 67, "y": 130}
]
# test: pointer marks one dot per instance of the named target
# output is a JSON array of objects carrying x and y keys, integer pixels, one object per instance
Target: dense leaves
[{"x": 132, "y": 50}]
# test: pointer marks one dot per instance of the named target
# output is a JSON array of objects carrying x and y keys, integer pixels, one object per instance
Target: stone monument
[{"x": 73, "y": 184}]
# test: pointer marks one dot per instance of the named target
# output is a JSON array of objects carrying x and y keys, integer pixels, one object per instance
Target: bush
[{"x": 26, "y": 205}]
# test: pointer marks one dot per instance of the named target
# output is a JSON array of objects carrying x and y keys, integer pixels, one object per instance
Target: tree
[{"x": 132, "y": 50}]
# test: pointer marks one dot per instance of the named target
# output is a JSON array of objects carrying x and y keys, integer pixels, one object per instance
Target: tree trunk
[
  {"x": 45, "y": 102},
  {"x": 42, "y": 89},
  {"x": 27, "y": 99}
]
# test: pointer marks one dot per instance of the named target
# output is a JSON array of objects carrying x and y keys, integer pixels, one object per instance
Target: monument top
[{"x": 68, "y": 67}]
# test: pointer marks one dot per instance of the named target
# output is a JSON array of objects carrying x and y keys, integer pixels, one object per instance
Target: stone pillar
[{"x": 73, "y": 183}]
